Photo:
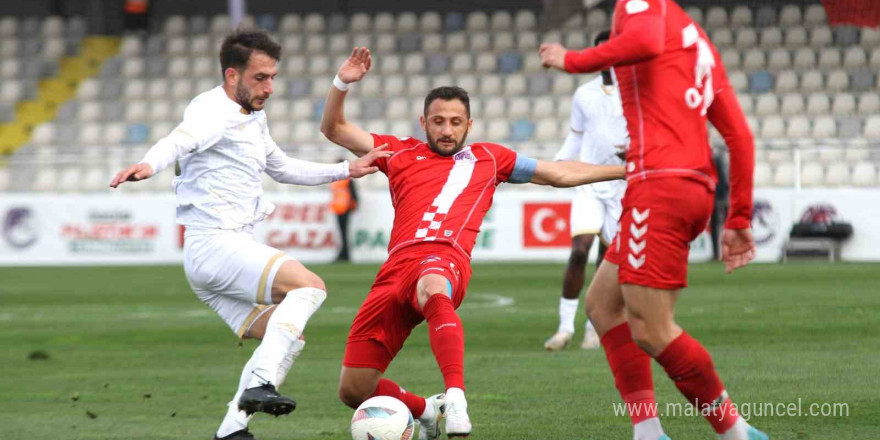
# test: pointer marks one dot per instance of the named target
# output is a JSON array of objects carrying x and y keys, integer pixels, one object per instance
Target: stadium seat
[
  {"x": 837, "y": 174},
  {"x": 741, "y": 16},
  {"x": 869, "y": 103},
  {"x": 486, "y": 63},
  {"x": 812, "y": 175},
  {"x": 175, "y": 25},
  {"x": 821, "y": 37},
  {"x": 760, "y": 82},
  {"x": 509, "y": 62},
  {"x": 763, "y": 175},
  {"x": 574, "y": 22},
  {"x": 754, "y": 59},
  {"x": 515, "y": 85},
  {"x": 844, "y": 104},
  {"x": 864, "y": 174},
  {"x": 812, "y": 81},
  {"x": 773, "y": 127},
  {"x": 88, "y": 89},
  {"x": 825, "y": 128},
  {"x": 856, "y": 152},
  {"x": 818, "y": 104},
  {"x": 495, "y": 107},
  {"x": 498, "y": 130},
  {"x": 553, "y": 36},
  {"x": 738, "y": 80},
  {"x": 543, "y": 107},
  {"x": 546, "y": 130},
  {"x": 722, "y": 37},
  {"x": 526, "y": 41},
  {"x": 795, "y": 37},
  {"x": 564, "y": 85},
  {"x": 845, "y": 36},
  {"x": 8, "y": 26},
  {"x": 575, "y": 40},
  {"x": 137, "y": 134},
  {"x": 786, "y": 81},
  {"x": 418, "y": 86},
  {"x": 4, "y": 180},
  {"x": 849, "y": 127},
  {"x": 870, "y": 37},
  {"x": 10, "y": 68},
  {"x": 454, "y": 22},
  {"x": 501, "y": 21},
  {"x": 783, "y": 175},
  {"x": 829, "y": 58},
  {"x": 780, "y": 59},
  {"x": 746, "y": 102},
  {"x": 805, "y": 58},
  {"x": 431, "y": 22},
  {"x": 135, "y": 111},
  {"x": 518, "y": 107},
  {"x": 43, "y": 134},
  {"x": 767, "y": 104},
  {"x": 771, "y": 37},
  {"x": 798, "y": 128},
  {"x": 861, "y": 79},
  {"x": 731, "y": 58},
  {"x": 716, "y": 16},
  {"x": 114, "y": 134},
  {"x": 490, "y": 85},
  {"x": 695, "y": 13},
  {"x": 814, "y": 15},
  {"x": 872, "y": 128},
  {"x": 746, "y": 38},
  {"x": 503, "y": 41},
  {"x": 525, "y": 20},
  {"x": 838, "y": 81},
  {"x": 855, "y": 57},
  {"x": 160, "y": 111},
  {"x": 407, "y": 22},
  {"x": 477, "y": 21},
  {"x": 314, "y": 23}
]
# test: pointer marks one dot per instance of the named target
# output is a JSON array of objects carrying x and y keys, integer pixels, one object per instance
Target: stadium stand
[{"x": 807, "y": 88}]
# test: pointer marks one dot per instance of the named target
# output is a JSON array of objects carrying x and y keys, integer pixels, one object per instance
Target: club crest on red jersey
[{"x": 465, "y": 155}]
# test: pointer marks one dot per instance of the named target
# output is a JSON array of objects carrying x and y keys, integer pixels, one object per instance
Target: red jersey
[
  {"x": 669, "y": 74},
  {"x": 438, "y": 198}
]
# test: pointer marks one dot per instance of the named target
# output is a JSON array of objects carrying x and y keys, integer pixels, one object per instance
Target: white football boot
[
  {"x": 558, "y": 341},
  {"x": 429, "y": 429},
  {"x": 458, "y": 424},
  {"x": 591, "y": 339}
]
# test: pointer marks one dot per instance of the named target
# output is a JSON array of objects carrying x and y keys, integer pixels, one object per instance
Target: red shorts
[
  {"x": 392, "y": 310},
  {"x": 660, "y": 218}
]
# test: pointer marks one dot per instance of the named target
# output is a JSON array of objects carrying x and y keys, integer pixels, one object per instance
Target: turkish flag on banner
[{"x": 865, "y": 13}]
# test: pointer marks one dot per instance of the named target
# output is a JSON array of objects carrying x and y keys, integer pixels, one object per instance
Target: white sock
[
  {"x": 236, "y": 420},
  {"x": 283, "y": 331},
  {"x": 567, "y": 311},
  {"x": 739, "y": 431},
  {"x": 456, "y": 395},
  {"x": 428, "y": 414},
  {"x": 287, "y": 362},
  {"x": 648, "y": 429}
]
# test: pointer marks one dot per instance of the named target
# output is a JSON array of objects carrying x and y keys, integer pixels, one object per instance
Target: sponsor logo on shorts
[{"x": 638, "y": 240}]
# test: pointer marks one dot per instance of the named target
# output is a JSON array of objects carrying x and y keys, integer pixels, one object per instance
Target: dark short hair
[
  {"x": 448, "y": 93},
  {"x": 241, "y": 43},
  {"x": 602, "y": 37}
]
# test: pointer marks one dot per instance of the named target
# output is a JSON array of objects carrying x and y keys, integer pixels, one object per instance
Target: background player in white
[
  {"x": 598, "y": 136},
  {"x": 223, "y": 146}
]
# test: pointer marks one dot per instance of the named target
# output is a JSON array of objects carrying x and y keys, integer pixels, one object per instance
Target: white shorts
[
  {"x": 593, "y": 215},
  {"x": 233, "y": 274}
]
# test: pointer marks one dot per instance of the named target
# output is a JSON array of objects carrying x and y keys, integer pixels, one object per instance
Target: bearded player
[
  {"x": 671, "y": 80},
  {"x": 441, "y": 190}
]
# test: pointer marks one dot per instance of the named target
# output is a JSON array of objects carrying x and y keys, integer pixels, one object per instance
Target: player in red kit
[
  {"x": 671, "y": 80},
  {"x": 441, "y": 190}
]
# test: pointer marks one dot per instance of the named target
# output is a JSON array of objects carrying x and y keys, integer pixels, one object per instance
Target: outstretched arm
[
  {"x": 285, "y": 169},
  {"x": 333, "y": 123},
  {"x": 643, "y": 38},
  {"x": 164, "y": 153},
  {"x": 566, "y": 174}
]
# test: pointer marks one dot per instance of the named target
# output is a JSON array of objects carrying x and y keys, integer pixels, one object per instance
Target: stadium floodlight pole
[{"x": 236, "y": 12}]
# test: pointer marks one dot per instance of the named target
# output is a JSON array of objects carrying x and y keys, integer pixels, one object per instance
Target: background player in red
[
  {"x": 441, "y": 190},
  {"x": 671, "y": 79}
]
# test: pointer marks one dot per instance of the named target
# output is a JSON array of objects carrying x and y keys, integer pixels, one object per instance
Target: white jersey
[
  {"x": 222, "y": 153},
  {"x": 598, "y": 132}
]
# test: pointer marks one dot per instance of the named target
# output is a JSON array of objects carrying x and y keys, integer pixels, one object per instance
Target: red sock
[
  {"x": 631, "y": 367},
  {"x": 447, "y": 339},
  {"x": 415, "y": 403},
  {"x": 689, "y": 365}
]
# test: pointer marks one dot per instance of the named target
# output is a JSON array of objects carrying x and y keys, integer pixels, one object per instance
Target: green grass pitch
[{"x": 132, "y": 354}]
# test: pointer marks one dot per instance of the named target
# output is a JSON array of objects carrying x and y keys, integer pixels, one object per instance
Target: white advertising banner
[{"x": 521, "y": 226}]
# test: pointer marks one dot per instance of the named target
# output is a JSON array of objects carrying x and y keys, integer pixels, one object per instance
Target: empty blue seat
[
  {"x": 267, "y": 21},
  {"x": 318, "y": 110},
  {"x": 522, "y": 130},
  {"x": 137, "y": 134},
  {"x": 438, "y": 63},
  {"x": 454, "y": 21},
  {"x": 760, "y": 82},
  {"x": 509, "y": 62},
  {"x": 299, "y": 87}
]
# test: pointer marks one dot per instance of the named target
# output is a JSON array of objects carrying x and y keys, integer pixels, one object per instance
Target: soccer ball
[{"x": 382, "y": 418}]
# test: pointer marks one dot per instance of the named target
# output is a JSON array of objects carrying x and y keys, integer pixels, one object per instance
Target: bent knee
[
  {"x": 352, "y": 396},
  {"x": 578, "y": 258}
]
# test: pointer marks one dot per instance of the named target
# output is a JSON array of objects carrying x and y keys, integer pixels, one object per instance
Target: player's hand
[
  {"x": 134, "y": 173},
  {"x": 364, "y": 164},
  {"x": 737, "y": 248},
  {"x": 356, "y": 66},
  {"x": 552, "y": 55}
]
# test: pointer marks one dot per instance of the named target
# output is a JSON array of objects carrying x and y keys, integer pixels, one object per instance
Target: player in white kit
[
  {"x": 223, "y": 146},
  {"x": 598, "y": 136}
]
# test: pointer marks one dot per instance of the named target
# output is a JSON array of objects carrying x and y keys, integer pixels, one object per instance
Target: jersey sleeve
[
  {"x": 201, "y": 124},
  {"x": 394, "y": 144},
  {"x": 511, "y": 167},
  {"x": 639, "y": 35}
]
